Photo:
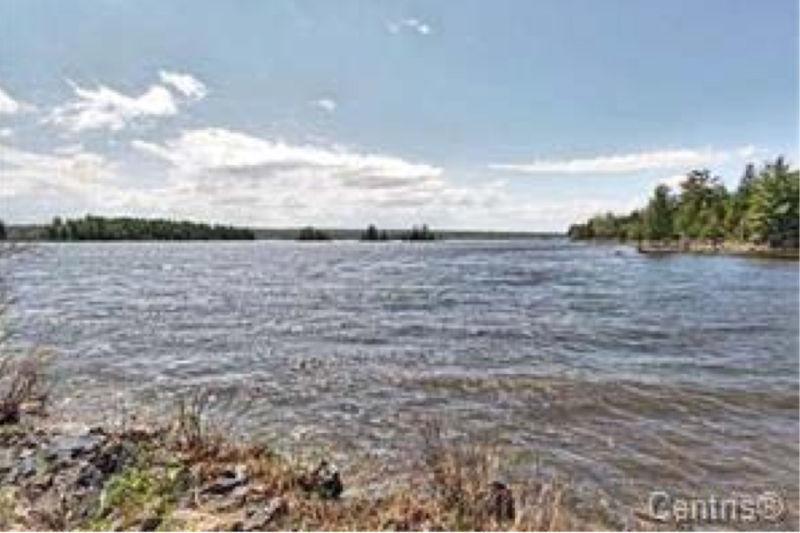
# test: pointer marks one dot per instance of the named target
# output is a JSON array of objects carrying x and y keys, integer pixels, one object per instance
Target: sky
[{"x": 504, "y": 115}]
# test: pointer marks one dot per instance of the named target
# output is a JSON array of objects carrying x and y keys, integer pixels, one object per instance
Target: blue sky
[{"x": 521, "y": 115}]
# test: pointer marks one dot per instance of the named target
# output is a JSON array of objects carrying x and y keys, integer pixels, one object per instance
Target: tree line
[
  {"x": 310, "y": 233},
  {"x": 763, "y": 209},
  {"x": 372, "y": 233},
  {"x": 417, "y": 233},
  {"x": 95, "y": 228}
]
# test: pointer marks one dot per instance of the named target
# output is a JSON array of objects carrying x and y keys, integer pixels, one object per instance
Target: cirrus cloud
[
  {"x": 626, "y": 163},
  {"x": 186, "y": 84},
  {"x": 411, "y": 24},
  {"x": 326, "y": 104}
]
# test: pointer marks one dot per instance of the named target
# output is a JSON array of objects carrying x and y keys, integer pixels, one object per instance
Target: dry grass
[
  {"x": 23, "y": 385},
  {"x": 452, "y": 487}
]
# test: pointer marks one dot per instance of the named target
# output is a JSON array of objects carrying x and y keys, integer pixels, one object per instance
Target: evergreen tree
[
  {"x": 772, "y": 214},
  {"x": 123, "y": 228},
  {"x": 763, "y": 209},
  {"x": 658, "y": 217}
]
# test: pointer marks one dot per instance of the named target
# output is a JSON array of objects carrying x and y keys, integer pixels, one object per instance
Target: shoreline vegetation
[
  {"x": 185, "y": 472},
  {"x": 417, "y": 233},
  {"x": 95, "y": 228},
  {"x": 759, "y": 218}
]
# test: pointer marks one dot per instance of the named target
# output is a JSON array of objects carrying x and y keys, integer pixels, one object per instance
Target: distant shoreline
[{"x": 36, "y": 233}]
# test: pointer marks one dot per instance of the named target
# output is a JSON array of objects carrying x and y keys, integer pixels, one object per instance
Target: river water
[{"x": 627, "y": 373}]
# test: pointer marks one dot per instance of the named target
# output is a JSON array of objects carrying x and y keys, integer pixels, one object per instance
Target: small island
[
  {"x": 95, "y": 228},
  {"x": 760, "y": 217},
  {"x": 420, "y": 233},
  {"x": 373, "y": 234}
]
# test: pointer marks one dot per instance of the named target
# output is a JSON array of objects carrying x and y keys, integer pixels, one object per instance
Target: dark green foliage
[
  {"x": 658, "y": 223},
  {"x": 702, "y": 206},
  {"x": 609, "y": 226},
  {"x": 372, "y": 234},
  {"x": 420, "y": 234},
  {"x": 3, "y": 233},
  {"x": 772, "y": 210},
  {"x": 763, "y": 209},
  {"x": 94, "y": 228},
  {"x": 310, "y": 233}
]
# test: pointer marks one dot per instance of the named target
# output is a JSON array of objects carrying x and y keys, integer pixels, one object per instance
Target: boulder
[
  {"x": 499, "y": 502},
  {"x": 227, "y": 481},
  {"x": 324, "y": 481},
  {"x": 258, "y": 519}
]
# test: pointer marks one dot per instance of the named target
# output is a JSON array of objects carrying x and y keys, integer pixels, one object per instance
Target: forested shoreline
[
  {"x": 761, "y": 211},
  {"x": 95, "y": 228}
]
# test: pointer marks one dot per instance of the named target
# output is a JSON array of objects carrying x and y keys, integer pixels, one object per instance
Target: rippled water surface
[{"x": 626, "y": 372}]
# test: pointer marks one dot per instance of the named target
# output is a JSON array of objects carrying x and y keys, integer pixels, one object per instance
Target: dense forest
[
  {"x": 373, "y": 234},
  {"x": 422, "y": 233},
  {"x": 310, "y": 233},
  {"x": 94, "y": 228},
  {"x": 763, "y": 209}
]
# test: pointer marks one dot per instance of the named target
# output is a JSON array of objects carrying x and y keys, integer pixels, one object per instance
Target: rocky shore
[
  {"x": 711, "y": 247},
  {"x": 58, "y": 479},
  {"x": 173, "y": 477}
]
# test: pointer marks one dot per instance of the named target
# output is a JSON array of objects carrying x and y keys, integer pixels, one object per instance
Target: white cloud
[
  {"x": 326, "y": 104},
  {"x": 250, "y": 180},
  {"x": 106, "y": 108},
  {"x": 72, "y": 170},
  {"x": 224, "y": 151},
  {"x": 411, "y": 24},
  {"x": 222, "y": 175},
  {"x": 634, "y": 162},
  {"x": 5, "y": 133},
  {"x": 10, "y": 106},
  {"x": 186, "y": 84},
  {"x": 674, "y": 181}
]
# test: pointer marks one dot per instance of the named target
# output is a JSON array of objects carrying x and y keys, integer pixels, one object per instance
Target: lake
[{"x": 628, "y": 373}]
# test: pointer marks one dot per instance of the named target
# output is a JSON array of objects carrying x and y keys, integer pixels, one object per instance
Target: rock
[
  {"x": 239, "y": 494},
  {"x": 9, "y": 414},
  {"x": 42, "y": 481},
  {"x": 258, "y": 519},
  {"x": 8, "y": 457},
  {"x": 324, "y": 480},
  {"x": 73, "y": 446},
  {"x": 232, "y": 500},
  {"x": 149, "y": 523},
  {"x": 195, "y": 520},
  {"x": 114, "y": 457},
  {"x": 89, "y": 477},
  {"x": 499, "y": 503},
  {"x": 118, "y": 524},
  {"x": 228, "y": 524},
  {"x": 227, "y": 481},
  {"x": 25, "y": 468}
]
